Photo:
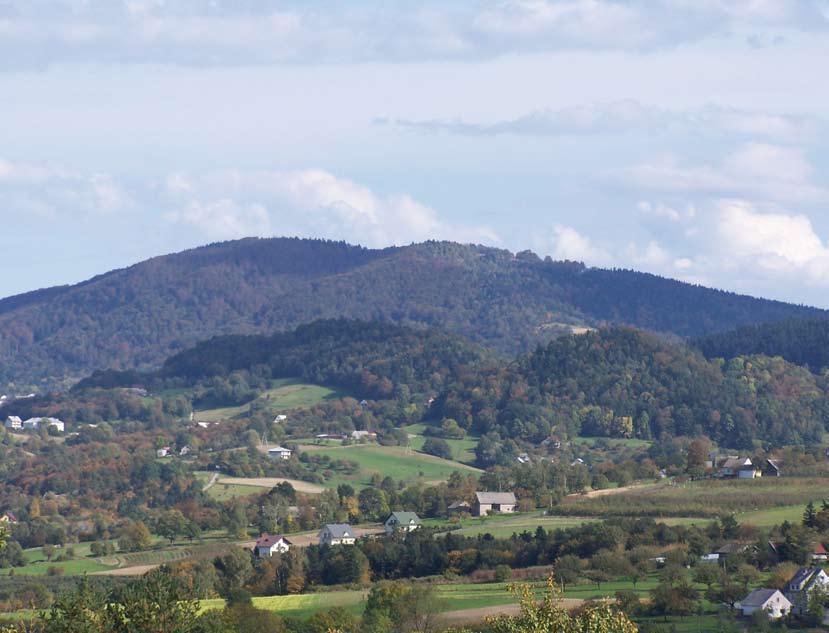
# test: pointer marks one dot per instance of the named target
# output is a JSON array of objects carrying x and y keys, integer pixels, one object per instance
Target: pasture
[
  {"x": 401, "y": 463},
  {"x": 285, "y": 394}
]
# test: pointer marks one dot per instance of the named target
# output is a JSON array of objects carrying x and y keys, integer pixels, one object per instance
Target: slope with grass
[{"x": 402, "y": 464}]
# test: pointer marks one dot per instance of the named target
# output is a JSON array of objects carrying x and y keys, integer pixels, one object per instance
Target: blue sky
[{"x": 686, "y": 137}]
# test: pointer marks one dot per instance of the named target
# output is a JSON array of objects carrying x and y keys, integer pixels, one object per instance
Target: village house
[
  {"x": 523, "y": 458},
  {"x": 771, "y": 601},
  {"x": 280, "y": 418},
  {"x": 803, "y": 584},
  {"x": 739, "y": 467},
  {"x": 337, "y": 534},
  {"x": 13, "y": 423},
  {"x": 280, "y": 452},
  {"x": 163, "y": 452},
  {"x": 358, "y": 436},
  {"x": 493, "y": 503},
  {"x": 402, "y": 522},
  {"x": 771, "y": 468},
  {"x": 9, "y": 518},
  {"x": 267, "y": 545},
  {"x": 731, "y": 549},
  {"x": 33, "y": 424}
]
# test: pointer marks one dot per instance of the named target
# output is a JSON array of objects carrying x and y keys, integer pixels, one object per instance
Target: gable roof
[
  {"x": 495, "y": 497},
  {"x": 803, "y": 575},
  {"x": 760, "y": 597},
  {"x": 269, "y": 540},
  {"x": 774, "y": 464},
  {"x": 279, "y": 449},
  {"x": 405, "y": 518},
  {"x": 339, "y": 530},
  {"x": 733, "y": 548},
  {"x": 736, "y": 462}
]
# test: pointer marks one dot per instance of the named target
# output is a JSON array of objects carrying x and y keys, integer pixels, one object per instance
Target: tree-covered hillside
[
  {"x": 627, "y": 383},
  {"x": 800, "y": 341},
  {"x": 135, "y": 317}
]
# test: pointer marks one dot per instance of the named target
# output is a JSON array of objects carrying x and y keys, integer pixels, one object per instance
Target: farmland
[
  {"x": 401, "y": 463},
  {"x": 703, "y": 499}
]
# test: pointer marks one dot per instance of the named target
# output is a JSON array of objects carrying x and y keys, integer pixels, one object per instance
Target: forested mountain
[
  {"x": 137, "y": 316},
  {"x": 371, "y": 360},
  {"x": 627, "y": 383},
  {"x": 800, "y": 341}
]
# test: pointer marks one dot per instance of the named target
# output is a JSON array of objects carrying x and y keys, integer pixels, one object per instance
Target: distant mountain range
[{"x": 137, "y": 316}]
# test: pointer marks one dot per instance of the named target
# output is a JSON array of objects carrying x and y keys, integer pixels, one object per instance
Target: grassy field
[
  {"x": 37, "y": 565},
  {"x": 505, "y": 525},
  {"x": 611, "y": 441},
  {"x": 394, "y": 461},
  {"x": 773, "y": 516},
  {"x": 226, "y": 492},
  {"x": 285, "y": 394},
  {"x": 752, "y": 500}
]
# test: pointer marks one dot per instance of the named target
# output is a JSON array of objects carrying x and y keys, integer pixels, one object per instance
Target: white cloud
[
  {"x": 44, "y": 190},
  {"x": 632, "y": 117},
  {"x": 568, "y": 243},
  {"x": 312, "y": 202},
  {"x": 224, "y": 32},
  {"x": 754, "y": 170},
  {"x": 776, "y": 242}
]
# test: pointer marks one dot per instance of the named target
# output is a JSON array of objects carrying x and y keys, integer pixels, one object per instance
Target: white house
[
  {"x": 806, "y": 581},
  {"x": 363, "y": 435},
  {"x": 55, "y": 423},
  {"x": 163, "y": 452},
  {"x": 13, "y": 423},
  {"x": 402, "y": 522},
  {"x": 279, "y": 452},
  {"x": 267, "y": 545},
  {"x": 33, "y": 424},
  {"x": 280, "y": 418},
  {"x": 337, "y": 534},
  {"x": 774, "y": 603},
  {"x": 523, "y": 458}
]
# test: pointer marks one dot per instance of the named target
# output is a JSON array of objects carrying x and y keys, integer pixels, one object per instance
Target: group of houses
[
  {"x": 15, "y": 423},
  {"x": 400, "y": 521},
  {"x": 337, "y": 534},
  {"x": 794, "y": 599}
]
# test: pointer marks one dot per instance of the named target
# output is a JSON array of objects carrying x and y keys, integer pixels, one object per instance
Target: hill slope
[
  {"x": 800, "y": 341},
  {"x": 137, "y": 316}
]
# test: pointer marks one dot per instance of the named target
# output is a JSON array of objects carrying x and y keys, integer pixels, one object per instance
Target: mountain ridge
[{"x": 136, "y": 316}]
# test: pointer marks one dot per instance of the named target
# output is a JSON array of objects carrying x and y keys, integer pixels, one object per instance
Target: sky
[{"x": 687, "y": 138}]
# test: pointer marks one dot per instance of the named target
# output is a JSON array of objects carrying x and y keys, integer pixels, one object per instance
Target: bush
[
  {"x": 503, "y": 573},
  {"x": 437, "y": 447}
]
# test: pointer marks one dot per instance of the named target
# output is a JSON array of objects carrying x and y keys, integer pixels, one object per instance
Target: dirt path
[
  {"x": 135, "y": 570},
  {"x": 612, "y": 491},
  {"x": 471, "y": 616},
  {"x": 213, "y": 478}
]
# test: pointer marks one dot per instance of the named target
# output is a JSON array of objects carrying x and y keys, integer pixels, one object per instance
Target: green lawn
[
  {"x": 226, "y": 492},
  {"x": 505, "y": 525},
  {"x": 773, "y": 516},
  {"x": 81, "y": 564},
  {"x": 285, "y": 394},
  {"x": 612, "y": 441},
  {"x": 394, "y": 461}
]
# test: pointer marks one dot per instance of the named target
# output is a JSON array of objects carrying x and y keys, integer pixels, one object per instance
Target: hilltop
[{"x": 137, "y": 316}]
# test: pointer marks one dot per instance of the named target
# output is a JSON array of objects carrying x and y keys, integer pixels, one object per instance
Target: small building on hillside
[
  {"x": 13, "y": 423},
  {"x": 164, "y": 451},
  {"x": 280, "y": 452},
  {"x": 33, "y": 424},
  {"x": 523, "y": 458},
  {"x": 807, "y": 581},
  {"x": 494, "y": 503},
  {"x": 359, "y": 436},
  {"x": 402, "y": 522},
  {"x": 337, "y": 534},
  {"x": 731, "y": 548},
  {"x": 770, "y": 601},
  {"x": 458, "y": 507},
  {"x": 819, "y": 553},
  {"x": 280, "y": 418},
  {"x": 267, "y": 545},
  {"x": 8, "y": 518}
]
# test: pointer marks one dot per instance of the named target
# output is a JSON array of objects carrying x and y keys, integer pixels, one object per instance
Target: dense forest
[
  {"x": 627, "y": 383},
  {"x": 135, "y": 317},
  {"x": 612, "y": 382},
  {"x": 799, "y": 341}
]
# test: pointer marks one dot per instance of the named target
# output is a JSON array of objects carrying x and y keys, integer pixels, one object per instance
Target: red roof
[
  {"x": 819, "y": 549},
  {"x": 268, "y": 540}
]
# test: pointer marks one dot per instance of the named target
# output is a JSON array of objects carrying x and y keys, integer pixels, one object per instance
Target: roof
[
  {"x": 775, "y": 464},
  {"x": 405, "y": 517},
  {"x": 760, "y": 597},
  {"x": 495, "y": 497},
  {"x": 819, "y": 549},
  {"x": 269, "y": 540},
  {"x": 736, "y": 462},
  {"x": 802, "y": 576},
  {"x": 338, "y": 530},
  {"x": 279, "y": 449},
  {"x": 732, "y": 548}
]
